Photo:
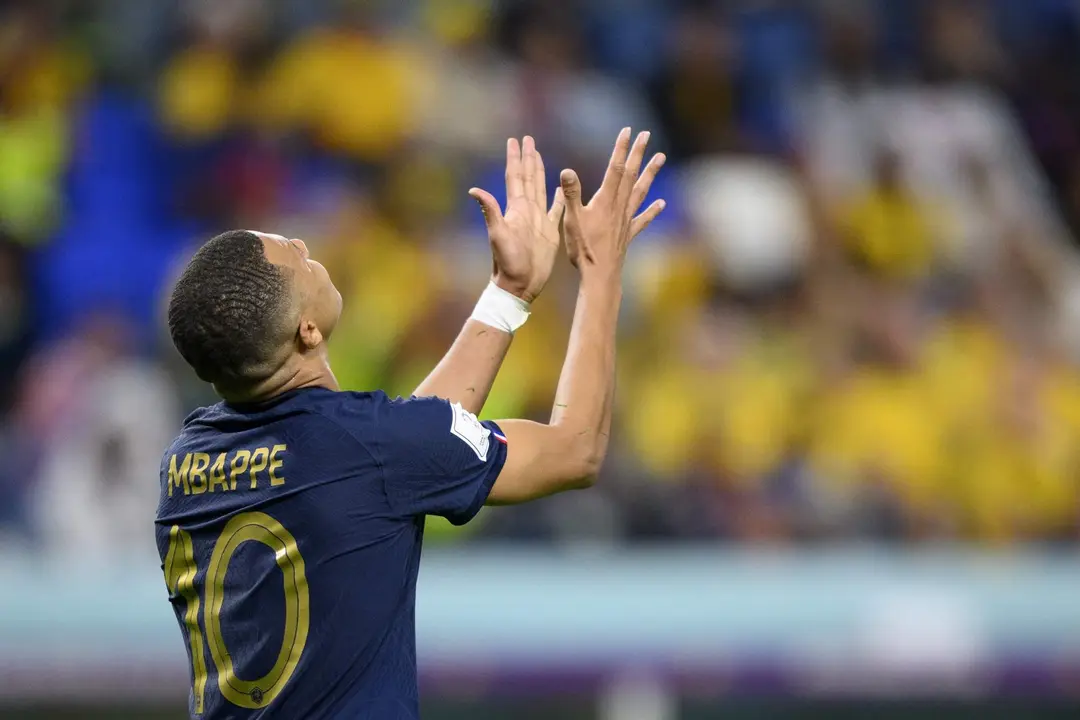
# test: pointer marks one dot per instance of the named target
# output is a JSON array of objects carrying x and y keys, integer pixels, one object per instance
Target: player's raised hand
[
  {"x": 524, "y": 240},
  {"x": 598, "y": 234}
]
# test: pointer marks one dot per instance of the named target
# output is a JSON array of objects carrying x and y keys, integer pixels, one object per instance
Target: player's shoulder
[
  {"x": 434, "y": 424},
  {"x": 366, "y": 416},
  {"x": 418, "y": 413},
  {"x": 309, "y": 417},
  {"x": 382, "y": 407},
  {"x": 297, "y": 403},
  {"x": 391, "y": 429},
  {"x": 397, "y": 417},
  {"x": 356, "y": 410}
]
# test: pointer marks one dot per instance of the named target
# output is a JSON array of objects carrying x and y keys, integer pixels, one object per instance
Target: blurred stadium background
[{"x": 846, "y": 476}]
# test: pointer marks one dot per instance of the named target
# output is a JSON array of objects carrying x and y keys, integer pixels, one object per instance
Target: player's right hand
[
  {"x": 598, "y": 234},
  {"x": 524, "y": 241}
]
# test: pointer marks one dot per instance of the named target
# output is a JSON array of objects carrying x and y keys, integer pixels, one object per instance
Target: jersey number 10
[{"x": 180, "y": 571}]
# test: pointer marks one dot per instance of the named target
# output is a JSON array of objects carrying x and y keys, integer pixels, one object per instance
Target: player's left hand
[{"x": 524, "y": 240}]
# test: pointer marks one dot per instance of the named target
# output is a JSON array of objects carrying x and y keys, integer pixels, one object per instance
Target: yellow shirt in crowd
[
  {"x": 890, "y": 233},
  {"x": 880, "y": 424},
  {"x": 356, "y": 93}
]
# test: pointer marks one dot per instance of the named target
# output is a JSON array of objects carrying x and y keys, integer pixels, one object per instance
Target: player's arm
[
  {"x": 467, "y": 371},
  {"x": 524, "y": 243},
  {"x": 567, "y": 452}
]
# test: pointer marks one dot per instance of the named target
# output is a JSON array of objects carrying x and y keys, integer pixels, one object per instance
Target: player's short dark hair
[{"x": 227, "y": 311}]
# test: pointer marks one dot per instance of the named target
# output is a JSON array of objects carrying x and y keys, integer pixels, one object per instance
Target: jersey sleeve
[{"x": 437, "y": 458}]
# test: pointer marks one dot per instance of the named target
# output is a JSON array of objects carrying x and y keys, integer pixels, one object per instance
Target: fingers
[
  {"x": 644, "y": 183},
  {"x": 515, "y": 182},
  {"x": 633, "y": 166},
  {"x": 643, "y": 220},
  {"x": 488, "y": 205},
  {"x": 576, "y": 244},
  {"x": 571, "y": 190},
  {"x": 616, "y": 168},
  {"x": 541, "y": 179},
  {"x": 557, "y": 206},
  {"x": 528, "y": 158}
]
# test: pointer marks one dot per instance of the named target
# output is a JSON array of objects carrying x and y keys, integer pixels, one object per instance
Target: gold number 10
[{"x": 180, "y": 570}]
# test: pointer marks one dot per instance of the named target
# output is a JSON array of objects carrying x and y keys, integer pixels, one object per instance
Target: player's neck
[{"x": 300, "y": 371}]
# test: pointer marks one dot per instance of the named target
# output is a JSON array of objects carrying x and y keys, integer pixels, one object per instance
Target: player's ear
[{"x": 310, "y": 335}]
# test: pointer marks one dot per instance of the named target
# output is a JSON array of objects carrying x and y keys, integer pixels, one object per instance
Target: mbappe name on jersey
[{"x": 197, "y": 473}]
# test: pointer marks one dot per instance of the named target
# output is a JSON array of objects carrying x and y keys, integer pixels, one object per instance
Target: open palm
[
  {"x": 525, "y": 240},
  {"x": 599, "y": 232}
]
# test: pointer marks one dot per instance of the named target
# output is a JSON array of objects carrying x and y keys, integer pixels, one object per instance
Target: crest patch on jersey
[{"x": 465, "y": 426}]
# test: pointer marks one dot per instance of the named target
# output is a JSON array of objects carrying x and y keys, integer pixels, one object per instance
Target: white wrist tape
[{"x": 500, "y": 310}]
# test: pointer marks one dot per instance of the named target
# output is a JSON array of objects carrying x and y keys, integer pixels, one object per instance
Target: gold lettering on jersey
[
  {"x": 276, "y": 463},
  {"x": 197, "y": 473},
  {"x": 217, "y": 473},
  {"x": 259, "y": 456},
  {"x": 179, "y": 478},
  {"x": 239, "y": 466},
  {"x": 199, "y": 463}
]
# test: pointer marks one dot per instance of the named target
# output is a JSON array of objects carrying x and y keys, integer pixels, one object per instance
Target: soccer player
[{"x": 292, "y": 513}]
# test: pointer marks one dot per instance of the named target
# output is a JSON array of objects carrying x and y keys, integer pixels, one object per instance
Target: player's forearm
[
  {"x": 567, "y": 453},
  {"x": 467, "y": 371},
  {"x": 586, "y": 386}
]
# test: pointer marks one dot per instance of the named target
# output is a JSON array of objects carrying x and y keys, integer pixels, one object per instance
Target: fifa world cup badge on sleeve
[{"x": 465, "y": 426}]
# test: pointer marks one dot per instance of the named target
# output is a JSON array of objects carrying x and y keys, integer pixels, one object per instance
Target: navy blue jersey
[{"x": 289, "y": 533}]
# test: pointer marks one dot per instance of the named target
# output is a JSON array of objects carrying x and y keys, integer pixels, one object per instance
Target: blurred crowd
[{"x": 856, "y": 320}]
